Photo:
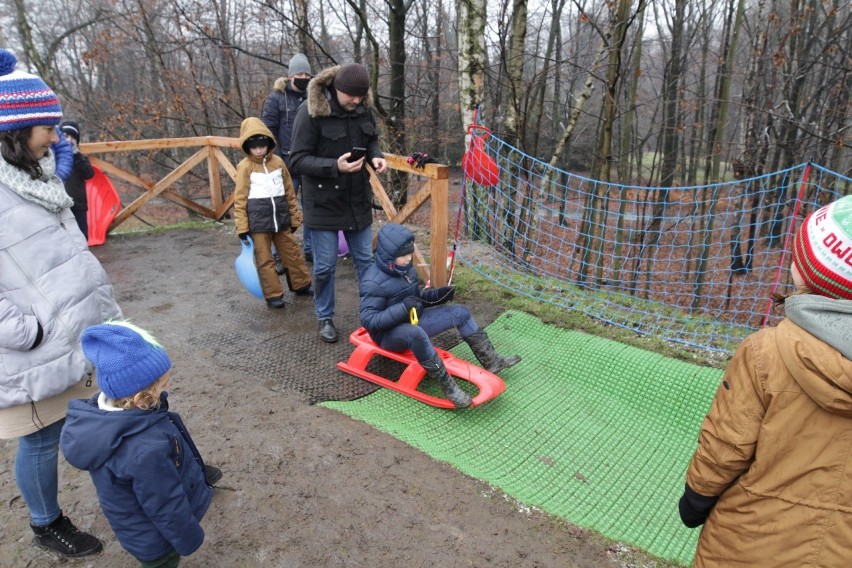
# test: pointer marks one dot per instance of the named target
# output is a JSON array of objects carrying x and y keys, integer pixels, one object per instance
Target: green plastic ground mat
[{"x": 588, "y": 429}]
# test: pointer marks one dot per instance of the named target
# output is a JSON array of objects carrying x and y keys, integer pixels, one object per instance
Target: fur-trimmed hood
[
  {"x": 280, "y": 84},
  {"x": 319, "y": 93}
]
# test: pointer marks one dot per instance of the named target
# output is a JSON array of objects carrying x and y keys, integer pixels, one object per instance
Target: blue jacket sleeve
[
  {"x": 271, "y": 116},
  {"x": 376, "y": 314},
  {"x": 64, "y": 157}
]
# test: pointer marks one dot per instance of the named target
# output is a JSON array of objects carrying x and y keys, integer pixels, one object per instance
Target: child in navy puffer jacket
[
  {"x": 390, "y": 290},
  {"x": 152, "y": 484}
]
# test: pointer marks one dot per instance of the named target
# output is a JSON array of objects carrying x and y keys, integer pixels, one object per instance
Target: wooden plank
[
  {"x": 225, "y": 207},
  {"x": 214, "y": 179},
  {"x": 403, "y": 215},
  {"x": 226, "y": 163},
  {"x": 157, "y": 144},
  {"x": 189, "y": 204},
  {"x": 432, "y": 171},
  {"x": 122, "y": 174},
  {"x": 440, "y": 200},
  {"x": 158, "y": 188}
]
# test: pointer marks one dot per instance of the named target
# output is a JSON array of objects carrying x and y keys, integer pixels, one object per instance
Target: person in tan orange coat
[
  {"x": 771, "y": 479},
  {"x": 265, "y": 208}
]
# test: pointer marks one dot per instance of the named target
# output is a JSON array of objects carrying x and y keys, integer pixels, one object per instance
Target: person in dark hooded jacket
[
  {"x": 152, "y": 484},
  {"x": 335, "y": 119},
  {"x": 390, "y": 291}
]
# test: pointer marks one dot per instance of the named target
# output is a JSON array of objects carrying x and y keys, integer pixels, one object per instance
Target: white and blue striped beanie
[
  {"x": 25, "y": 100},
  {"x": 127, "y": 358}
]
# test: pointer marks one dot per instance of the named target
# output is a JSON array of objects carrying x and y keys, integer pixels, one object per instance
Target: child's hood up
[
  {"x": 91, "y": 436},
  {"x": 390, "y": 240},
  {"x": 818, "y": 349},
  {"x": 253, "y": 126}
]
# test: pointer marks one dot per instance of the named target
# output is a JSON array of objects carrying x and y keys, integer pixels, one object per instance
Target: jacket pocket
[
  {"x": 369, "y": 129},
  {"x": 333, "y": 131}
]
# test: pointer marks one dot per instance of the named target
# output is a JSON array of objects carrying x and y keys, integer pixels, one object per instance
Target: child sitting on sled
[{"x": 390, "y": 290}]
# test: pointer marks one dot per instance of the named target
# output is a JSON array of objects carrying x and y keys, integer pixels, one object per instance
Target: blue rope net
[{"x": 692, "y": 265}]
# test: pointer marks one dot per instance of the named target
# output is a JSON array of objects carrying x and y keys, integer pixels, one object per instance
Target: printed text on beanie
[
  {"x": 127, "y": 359},
  {"x": 25, "y": 100},
  {"x": 822, "y": 250},
  {"x": 352, "y": 79}
]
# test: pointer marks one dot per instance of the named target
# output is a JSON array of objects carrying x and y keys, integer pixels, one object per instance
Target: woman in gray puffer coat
[{"x": 51, "y": 289}]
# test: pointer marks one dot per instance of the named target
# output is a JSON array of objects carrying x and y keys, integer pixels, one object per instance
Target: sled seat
[{"x": 489, "y": 384}]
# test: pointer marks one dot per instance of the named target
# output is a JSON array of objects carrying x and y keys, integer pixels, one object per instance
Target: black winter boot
[
  {"x": 62, "y": 537},
  {"x": 435, "y": 368},
  {"x": 487, "y": 356}
]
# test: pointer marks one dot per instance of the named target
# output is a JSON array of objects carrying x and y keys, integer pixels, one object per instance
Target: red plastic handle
[{"x": 473, "y": 127}]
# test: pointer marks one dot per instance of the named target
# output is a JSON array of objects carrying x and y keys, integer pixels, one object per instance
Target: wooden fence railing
[{"x": 435, "y": 187}]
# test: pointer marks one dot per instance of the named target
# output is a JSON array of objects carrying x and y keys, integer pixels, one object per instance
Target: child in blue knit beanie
[{"x": 152, "y": 484}]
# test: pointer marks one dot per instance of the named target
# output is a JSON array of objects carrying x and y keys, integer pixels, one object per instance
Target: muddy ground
[{"x": 303, "y": 486}]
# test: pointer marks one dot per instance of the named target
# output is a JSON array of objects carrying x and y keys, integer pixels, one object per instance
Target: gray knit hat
[{"x": 299, "y": 64}]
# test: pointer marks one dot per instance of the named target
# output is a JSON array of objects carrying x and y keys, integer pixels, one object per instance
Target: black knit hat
[
  {"x": 352, "y": 79},
  {"x": 70, "y": 128},
  {"x": 407, "y": 248}
]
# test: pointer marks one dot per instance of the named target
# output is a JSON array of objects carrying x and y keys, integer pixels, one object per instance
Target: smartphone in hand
[{"x": 356, "y": 154}]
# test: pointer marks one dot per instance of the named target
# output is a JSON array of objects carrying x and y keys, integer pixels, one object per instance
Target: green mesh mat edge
[{"x": 588, "y": 429}]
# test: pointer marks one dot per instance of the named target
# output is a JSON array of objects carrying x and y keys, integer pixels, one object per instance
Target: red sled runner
[{"x": 489, "y": 384}]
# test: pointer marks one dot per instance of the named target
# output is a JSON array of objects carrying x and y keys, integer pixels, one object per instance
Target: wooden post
[
  {"x": 440, "y": 204},
  {"x": 216, "y": 196}
]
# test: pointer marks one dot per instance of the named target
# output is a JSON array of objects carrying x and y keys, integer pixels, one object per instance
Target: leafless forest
[{"x": 661, "y": 92}]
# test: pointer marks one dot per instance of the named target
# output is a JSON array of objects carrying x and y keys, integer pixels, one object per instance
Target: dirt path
[{"x": 303, "y": 486}]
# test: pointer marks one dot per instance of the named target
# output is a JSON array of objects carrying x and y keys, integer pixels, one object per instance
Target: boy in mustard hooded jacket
[{"x": 265, "y": 208}]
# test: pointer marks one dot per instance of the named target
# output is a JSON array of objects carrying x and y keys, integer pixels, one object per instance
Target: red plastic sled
[
  {"x": 104, "y": 205},
  {"x": 489, "y": 384}
]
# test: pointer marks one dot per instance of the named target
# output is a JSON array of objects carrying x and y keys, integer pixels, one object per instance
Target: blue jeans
[
  {"x": 306, "y": 233},
  {"x": 297, "y": 186},
  {"x": 432, "y": 322},
  {"x": 325, "y": 263},
  {"x": 37, "y": 475}
]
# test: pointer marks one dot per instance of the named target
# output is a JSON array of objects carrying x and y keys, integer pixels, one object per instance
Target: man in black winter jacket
[{"x": 332, "y": 127}]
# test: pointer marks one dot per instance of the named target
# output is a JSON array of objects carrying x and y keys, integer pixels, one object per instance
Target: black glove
[
  {"x": 438, "y": 296},
  {"x": 39, "y": 336},
  {"x": 419, "y": 160},
  {"x": 243, "y": 237},
  {"x": 413, "y": 302},
  {"x": 694, "y": 508}
]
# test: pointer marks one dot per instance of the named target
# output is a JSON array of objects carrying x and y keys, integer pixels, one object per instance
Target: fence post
[{"x": 440, "y": 196}]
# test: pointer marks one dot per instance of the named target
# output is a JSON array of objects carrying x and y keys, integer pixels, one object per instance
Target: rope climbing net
[{"x": 693, "y": 265}]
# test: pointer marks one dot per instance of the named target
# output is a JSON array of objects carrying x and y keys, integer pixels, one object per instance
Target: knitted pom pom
[{"x": 7, "y": 62}]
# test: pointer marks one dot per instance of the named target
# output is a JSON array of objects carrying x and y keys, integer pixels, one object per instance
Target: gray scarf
[
  {"x": 47, "y": 191},
  {"x": 825, "y": 318}
]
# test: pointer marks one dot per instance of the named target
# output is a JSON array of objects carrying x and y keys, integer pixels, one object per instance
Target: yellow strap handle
[{"x": 412, "y": 316}]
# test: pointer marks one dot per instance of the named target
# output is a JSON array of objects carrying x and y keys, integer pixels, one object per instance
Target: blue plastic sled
[{"x": 247, "y": 271}]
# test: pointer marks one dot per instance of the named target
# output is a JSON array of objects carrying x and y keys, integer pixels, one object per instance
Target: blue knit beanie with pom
[
  {"x": 127, "y": 359},
  {"x": 25, "y": 100}
]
